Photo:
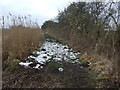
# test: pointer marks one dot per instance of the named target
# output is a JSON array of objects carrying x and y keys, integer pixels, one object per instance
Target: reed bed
[{"x": 19, "y": 40}]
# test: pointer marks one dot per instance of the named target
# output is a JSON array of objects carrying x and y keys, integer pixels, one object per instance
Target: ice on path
[
  {"x": 25, "y": 63},
  {"x": 52, "y": 51}
]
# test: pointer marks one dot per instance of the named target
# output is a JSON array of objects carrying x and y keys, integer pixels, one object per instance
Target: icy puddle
[{"x": 51, "y": 50}]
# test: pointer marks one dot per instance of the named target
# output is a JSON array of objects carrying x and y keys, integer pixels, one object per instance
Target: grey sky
[{"x": 41, "y": 9}]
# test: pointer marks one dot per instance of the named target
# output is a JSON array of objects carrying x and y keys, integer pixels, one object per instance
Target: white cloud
[{"x": 41, "y": 9}]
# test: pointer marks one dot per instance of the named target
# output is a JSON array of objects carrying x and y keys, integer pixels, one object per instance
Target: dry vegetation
[
  {"x": 0, "y": 43},
  {"x": 86, "y": 27},
  {"x": 102, "y": 53},
  {"x": 18, "y": 42}
]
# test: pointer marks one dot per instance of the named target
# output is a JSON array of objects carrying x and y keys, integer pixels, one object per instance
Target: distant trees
[{"x": 49, "y": 24}]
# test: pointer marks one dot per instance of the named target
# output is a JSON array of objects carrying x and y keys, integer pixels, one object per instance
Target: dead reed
[{"x": 19, "y": 40}]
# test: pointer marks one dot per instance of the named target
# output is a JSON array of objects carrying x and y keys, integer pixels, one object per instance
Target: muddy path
[
  {"x": 72, "y": 77},
  {"x": 54, "y": 66}
]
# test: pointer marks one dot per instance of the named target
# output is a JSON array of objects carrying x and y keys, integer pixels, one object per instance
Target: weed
[
  {"x": 81, "y": 59},
  {"x": 54, "y": 64},
  {"x": 92, "y": 75},
  {"x": 12, "y": 65}
]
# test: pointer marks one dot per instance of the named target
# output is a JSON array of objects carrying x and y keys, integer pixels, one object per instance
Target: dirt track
[{"x": 72, "y": 77}]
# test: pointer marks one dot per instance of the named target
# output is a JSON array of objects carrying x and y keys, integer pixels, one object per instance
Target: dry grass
[
  {"x": 0, "y": 42},
  {"x": 0, "y": 58},
  {"x": 99, "y": 64},
  {"x": 19, "y": 42},
  {"x": 101, "y": 52}
]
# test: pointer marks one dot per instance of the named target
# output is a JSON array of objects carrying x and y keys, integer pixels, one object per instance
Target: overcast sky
[{"x": 41, "y": 9}]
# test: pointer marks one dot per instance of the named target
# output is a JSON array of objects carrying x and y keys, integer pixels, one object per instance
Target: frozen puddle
[{"x": 51, "y": 50}]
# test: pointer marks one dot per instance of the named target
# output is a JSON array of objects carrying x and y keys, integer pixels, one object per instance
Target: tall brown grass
[
  {"x": 20, "y": 39},
  {"x": 19, "y": 42},
  {"x": 1, "y": 59}
]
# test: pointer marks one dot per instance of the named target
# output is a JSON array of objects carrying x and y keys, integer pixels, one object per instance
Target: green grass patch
[
  {"x": 92, "y": 75},
  {"x": 12, "y": 65},
  {"x": 81, "y": 59},
  {"x": 54, "y": 64}
]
